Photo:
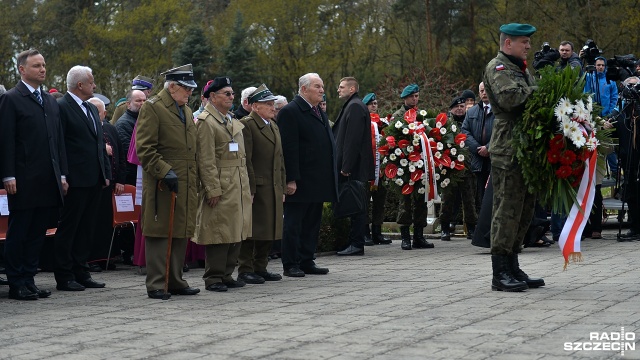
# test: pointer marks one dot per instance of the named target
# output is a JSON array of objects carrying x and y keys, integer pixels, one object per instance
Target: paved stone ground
[{"x": 388, "y": 304}]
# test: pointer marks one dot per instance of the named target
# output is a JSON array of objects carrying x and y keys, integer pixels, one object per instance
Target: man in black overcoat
[
  {"x": 310, "y": 162},
  {"x": 352, "y": 131},
  {"x": 89, "y": 171},
  {"x": 33, "y": 166}
]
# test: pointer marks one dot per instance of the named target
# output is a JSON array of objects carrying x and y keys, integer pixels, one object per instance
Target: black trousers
[
  {"x": 25, "y": 236},
  {"x": 300, "y": 233},
  {"x": 74, "y": 235}
]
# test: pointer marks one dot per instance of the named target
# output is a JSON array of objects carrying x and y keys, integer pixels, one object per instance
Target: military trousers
[
  {"x": 378, "y": 198},
  {"x": 513, "y": 208},
  {"x": 254, "y": 256},
  {"x": 220, "y": 261},
  {"x": 413, "y": 210},
  {"x": 156, "y": 255},
  {"x": 465, "y": 192}
]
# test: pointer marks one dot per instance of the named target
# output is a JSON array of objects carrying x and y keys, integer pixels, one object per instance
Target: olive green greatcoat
[
  {"x": 267, "y": 176},
  {"x": 222, "y": 173},
  {"x": 164, "y": 143}
]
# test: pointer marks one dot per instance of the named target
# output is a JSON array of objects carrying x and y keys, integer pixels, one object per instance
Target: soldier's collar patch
[{"x": 499, "y": 67}]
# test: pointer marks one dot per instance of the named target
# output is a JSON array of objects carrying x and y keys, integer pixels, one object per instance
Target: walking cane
[{"x": 170, "y": 237}]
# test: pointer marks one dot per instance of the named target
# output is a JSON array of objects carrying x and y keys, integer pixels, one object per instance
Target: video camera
[
  {"x": 546, "y": 56},
  {"x": 621, "y": 67},
  {"x": 590, "y": 52},
  {"x": 631, "y": 92}
]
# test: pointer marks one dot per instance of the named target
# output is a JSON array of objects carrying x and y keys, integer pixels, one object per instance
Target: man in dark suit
[
  {"x": 352, "y": 131},
  {"x": 33, "y": 166},
  {"x": 309, "y": 156},
  {"x": 89, "y": 171}
]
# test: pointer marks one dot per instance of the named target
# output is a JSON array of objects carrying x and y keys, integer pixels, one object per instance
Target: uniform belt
[{"x": 231, "y": 163}]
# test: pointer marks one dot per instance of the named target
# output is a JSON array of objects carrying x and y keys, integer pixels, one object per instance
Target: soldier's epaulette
[{"x": 153, "y": 99}]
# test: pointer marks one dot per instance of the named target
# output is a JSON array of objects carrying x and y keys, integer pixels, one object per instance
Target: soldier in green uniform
[
  {"x": 166, "y": 147},
  {"x": 509, "y": 84},
  {"x": 407, "y": 215}
]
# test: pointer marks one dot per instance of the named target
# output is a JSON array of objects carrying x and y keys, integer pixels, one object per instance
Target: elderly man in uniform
[
  {"x": 406, "y": 215},
  {"x": 224, "y": 210},
  {"x": 166, "y": 146},
  {"x": 141, "y": 83},
  {"x": 267, "y": 178},
  {"x": 376, "y": 191},
  {"x": 509, "y": 85}
]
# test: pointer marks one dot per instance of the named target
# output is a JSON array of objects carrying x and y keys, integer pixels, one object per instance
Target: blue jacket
[{"x": 607, "y": 95}]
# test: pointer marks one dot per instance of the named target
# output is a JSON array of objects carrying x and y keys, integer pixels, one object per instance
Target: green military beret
[
  {"x": 120, "y": 101},
  {"x": 369, "y": 98},
  {"x": 410, "y": 89},
  {"x": 516, "y": 29}
]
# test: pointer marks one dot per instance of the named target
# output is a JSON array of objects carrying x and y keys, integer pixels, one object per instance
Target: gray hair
[
  {"x": 280, "y": 100},
  {"x": 95, "y": 101},
  {"x": 246, "y": 92},
  {"x": 305, "y": 80},
  {"x": 77, "y": 74},
  {"x": 168, "y": 83}
]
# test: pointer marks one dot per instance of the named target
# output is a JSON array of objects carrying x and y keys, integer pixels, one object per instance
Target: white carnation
[
  {"x": 398, "y": 125},
  {"x": 405, "y": 131},
  {"x": 454, "y": 128},
  {"x": 404, "y": 162},
  {"x": 438, "y": 125},
  {"x": 462, "y": 144},
  {"x": 454, "y": 151},
  {"x": 421, "y": 190},
  {"x": 412, "y": 126},
  {"x": 423, "y": 113},
  {"x": 444, "y": 171},
  {"x": 392, "y": 157},
  {"x": 460, "y": 158},
  {"x": 439, "y": 146},
  {"x": 437, "y": 176},
  {"x": 443, "y": 130},
  {"x": 398, "y": 151},
  {"x": 419, "y": 163},
  {"x": 416, "y": 142},
  {"x": 410, "y": 148},
  {"x": 399, "y": 182},
  {"x": 412, "y": 168},
  {"x": 438, "y": 154}
]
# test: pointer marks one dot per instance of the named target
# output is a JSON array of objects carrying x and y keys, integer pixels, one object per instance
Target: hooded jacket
[{"x": 605, "y": 93}]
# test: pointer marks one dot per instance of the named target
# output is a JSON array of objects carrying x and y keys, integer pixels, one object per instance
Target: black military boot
[
  {"x": 406, "y": 237},
  {"x": 445, "y": 234},
  {"x": 470, "y": 230},
  {"x": 502, "y": 278},
  {"x": 419, "y": 242},
  {"x": 520, "y": 275},
  {"x": 376, "y": 235},
  {"x": 367, "y": 237}
]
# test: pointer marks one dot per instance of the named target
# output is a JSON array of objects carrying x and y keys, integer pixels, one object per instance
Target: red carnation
[
  {"x": 391, "y": 170},
  {"x": 403, "y": 143},
  {"x": 553, "y": 156},
  {"x": 567, "y": 157},
  {"x": 557, "y": 143},
  {"x": 410, "y": 116},
  {"x": 414, "y": 156},
  {"x": 407, "y": 189},
  {"x": 416, "y": 175},
  {"x": 441, "y": 118},
  {"x": 563, "y": 172},
  {"x": 383, "y": 150},
  {"x": 460, "y": 137},
  {"x": 391, "y": 141}
]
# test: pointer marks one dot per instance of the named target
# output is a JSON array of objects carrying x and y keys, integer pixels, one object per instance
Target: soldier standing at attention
[{"x": 509, "y": 84}]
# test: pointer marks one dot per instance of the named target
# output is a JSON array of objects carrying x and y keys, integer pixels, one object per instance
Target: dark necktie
[
  {"x": 317, "y": 111},
  {"x": 37, "y": 95},
  {"x": 89, "y": 116},
  {"x": 487, "y": 110}
]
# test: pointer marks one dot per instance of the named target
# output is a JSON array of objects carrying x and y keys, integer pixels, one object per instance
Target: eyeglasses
[
  {"x": 187, "y": 88},
  {"x": 226, "y": 93}
]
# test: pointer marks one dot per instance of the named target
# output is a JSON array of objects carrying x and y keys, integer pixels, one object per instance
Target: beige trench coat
[
  {"x": 223, "y": 173},
  {"x": 267, "y": 176},
  {"x": 164, "y": 143}
]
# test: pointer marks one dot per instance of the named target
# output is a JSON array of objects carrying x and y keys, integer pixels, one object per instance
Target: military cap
[
  {"x": 369, "y": 98},
  {"x": 215, "y": 85},
  {"x": 141, "y": 83},
  {"x": 468, "y": 94},
  {"x": 410, "y": 89},
  {"x": 456, "y": 101},
  {"x": 516, "y": 29},
  {"x": 182, "y": 75},
  {"x": 261, "y": 94},
  {"x": 104, "y": 99}
]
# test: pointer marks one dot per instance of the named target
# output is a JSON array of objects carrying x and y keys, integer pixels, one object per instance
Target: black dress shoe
[
  {"x": 315, "y": 270},
  {"x": 185, "y": 268},
  {"x": 3, "y": 281},
  {"x": 293, "y": 272},
  {"x": 42, "y": 293},
  {"x": 90, "y": 283},
  {"x": 95, "y": 268},
  {"x": 22, "y": 293},
  {"x": 268, "y": 276},
  {"x": 368, "y": 241},
  {"x": 218, "y": 287},
  {"x": 351, "y": 251},
  {"x": 70, "y": 286},
  {"x": 251, "y": 278},
  {"x": 157, "y": 294},
  {"x": 231, "y": 284},
  {"x": 186, "y": 291}
]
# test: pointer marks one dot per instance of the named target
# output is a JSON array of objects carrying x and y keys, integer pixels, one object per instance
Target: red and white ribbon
[
  {"x": 375, "y": 138},
  {"x": 430, "y": 173},
  {"x": 570, "y": 237}
]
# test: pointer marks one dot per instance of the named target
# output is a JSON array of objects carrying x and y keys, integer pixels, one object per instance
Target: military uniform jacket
[
  {"x": 222, "y": 172},
  {"x": 267, "y": 177},
  {"x": 508, "y": 88},
  {"x": 163, "y": 143}
]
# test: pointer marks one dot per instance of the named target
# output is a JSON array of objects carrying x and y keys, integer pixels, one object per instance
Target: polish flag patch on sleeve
[{"x": 499, "y": 67}]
